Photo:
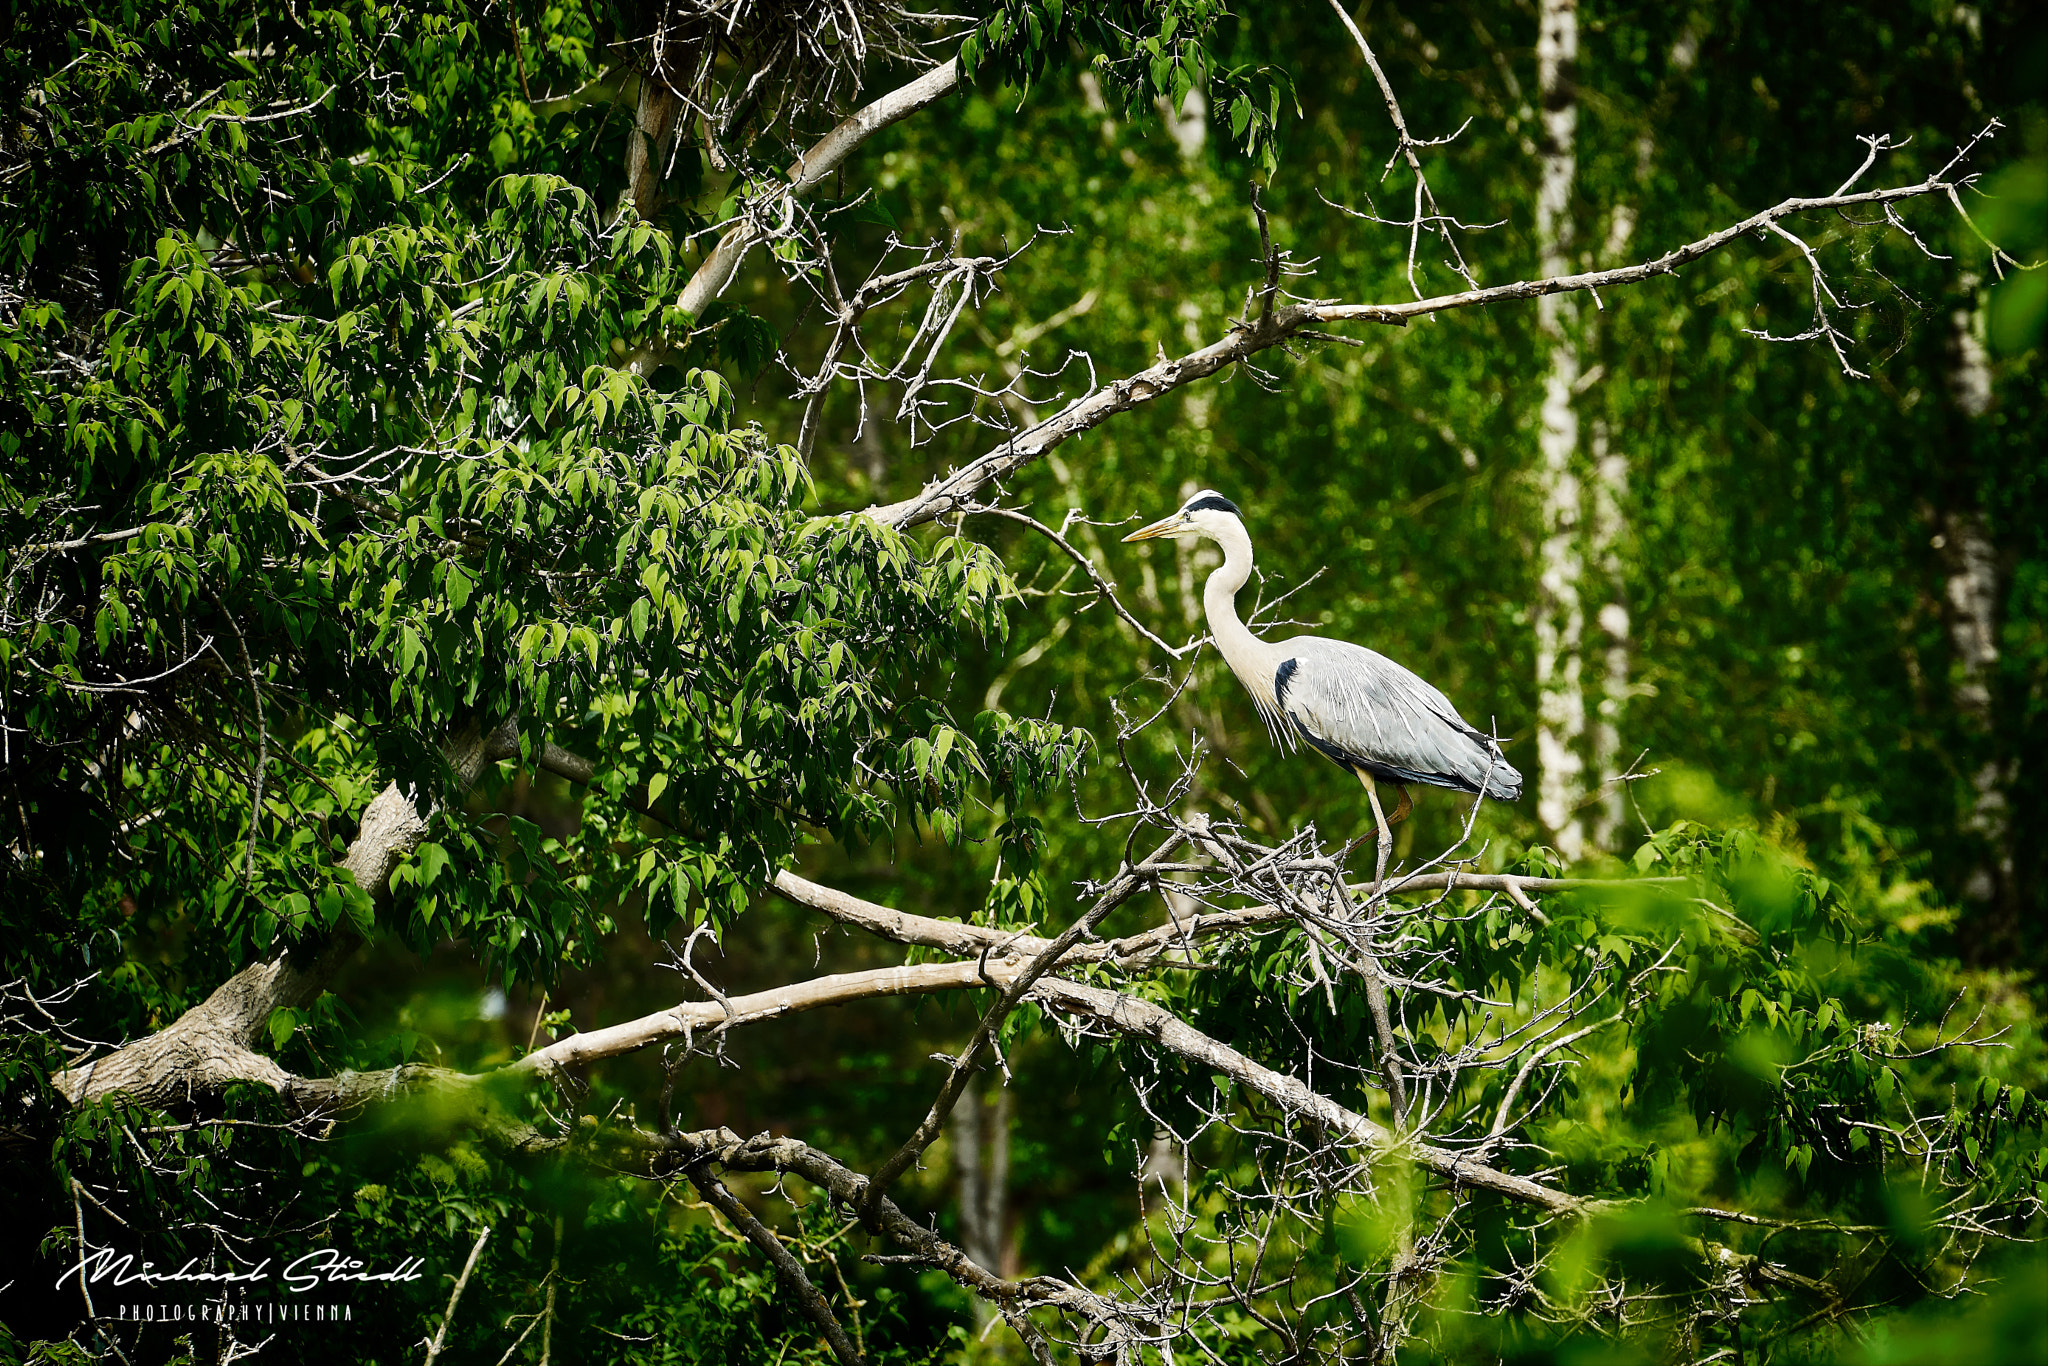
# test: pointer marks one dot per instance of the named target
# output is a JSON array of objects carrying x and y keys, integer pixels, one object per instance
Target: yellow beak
[{"x": 1165, "y": 526}]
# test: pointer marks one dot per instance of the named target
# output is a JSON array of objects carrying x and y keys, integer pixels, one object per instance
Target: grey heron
[{"x": 1360, "y": 709}]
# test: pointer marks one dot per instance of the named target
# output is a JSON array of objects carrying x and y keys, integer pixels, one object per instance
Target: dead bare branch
[{"x": 950, "y": 492}]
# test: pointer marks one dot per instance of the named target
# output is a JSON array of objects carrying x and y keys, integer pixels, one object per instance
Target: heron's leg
[
  {"x": 1372, "y": 794},
  {"x": 1375, "y": 983},
  {"x": 1407, "y": 805}
]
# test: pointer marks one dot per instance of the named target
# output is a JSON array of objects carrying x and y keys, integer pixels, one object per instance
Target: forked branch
[{"x": 959, "y": 488}]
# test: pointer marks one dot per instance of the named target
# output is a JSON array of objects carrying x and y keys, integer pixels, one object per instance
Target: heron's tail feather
[{"x": 1504, "y": 782}]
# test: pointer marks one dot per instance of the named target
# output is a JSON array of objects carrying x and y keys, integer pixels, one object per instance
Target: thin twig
[
  {"x": 787, "y": 1269},
  {"x": 455, "y": 1298}
]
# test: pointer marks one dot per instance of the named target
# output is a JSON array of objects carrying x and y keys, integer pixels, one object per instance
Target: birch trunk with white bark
[
  {"x": 1608, "y": 546},
  {"x": 1610, "y": 526},
  {"x": 1560, "y": 615},
  {"x": 1609, "y": 533},
  {"x": 1970, "y": 605}
]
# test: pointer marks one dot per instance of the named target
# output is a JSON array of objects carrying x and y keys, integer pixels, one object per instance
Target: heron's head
[{"x": 1208, "y": 513}]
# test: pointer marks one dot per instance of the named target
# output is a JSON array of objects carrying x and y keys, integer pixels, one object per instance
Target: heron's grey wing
[{"x": 1367, "y": 712}]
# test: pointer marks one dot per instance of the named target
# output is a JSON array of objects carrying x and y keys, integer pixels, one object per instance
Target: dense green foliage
[
  {"x": 553, "y": 526},
  {"x": 321, "y": 442}
]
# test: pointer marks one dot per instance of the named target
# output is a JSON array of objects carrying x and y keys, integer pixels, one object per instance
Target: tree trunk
[
  {"x": 1970, "y": 607},
  {"x": 654, "y": 129},
  {"x": 213, "y": 1044},
  {"x": 1610, "y": 463},
  {"x": 1560, "y": 617},
  {"x": 1610, "y": 524},
  {"x": 1609, "y": 531},
  {"x": 983, "y": 1182}
]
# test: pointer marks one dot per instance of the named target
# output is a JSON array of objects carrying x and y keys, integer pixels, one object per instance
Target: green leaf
[
  {"x": 284, "y": 1022},
  {"x": 430, "y": 858}
]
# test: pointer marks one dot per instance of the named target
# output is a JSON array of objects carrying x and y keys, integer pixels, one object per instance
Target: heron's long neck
[{"x": 1250, "y": 658}]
